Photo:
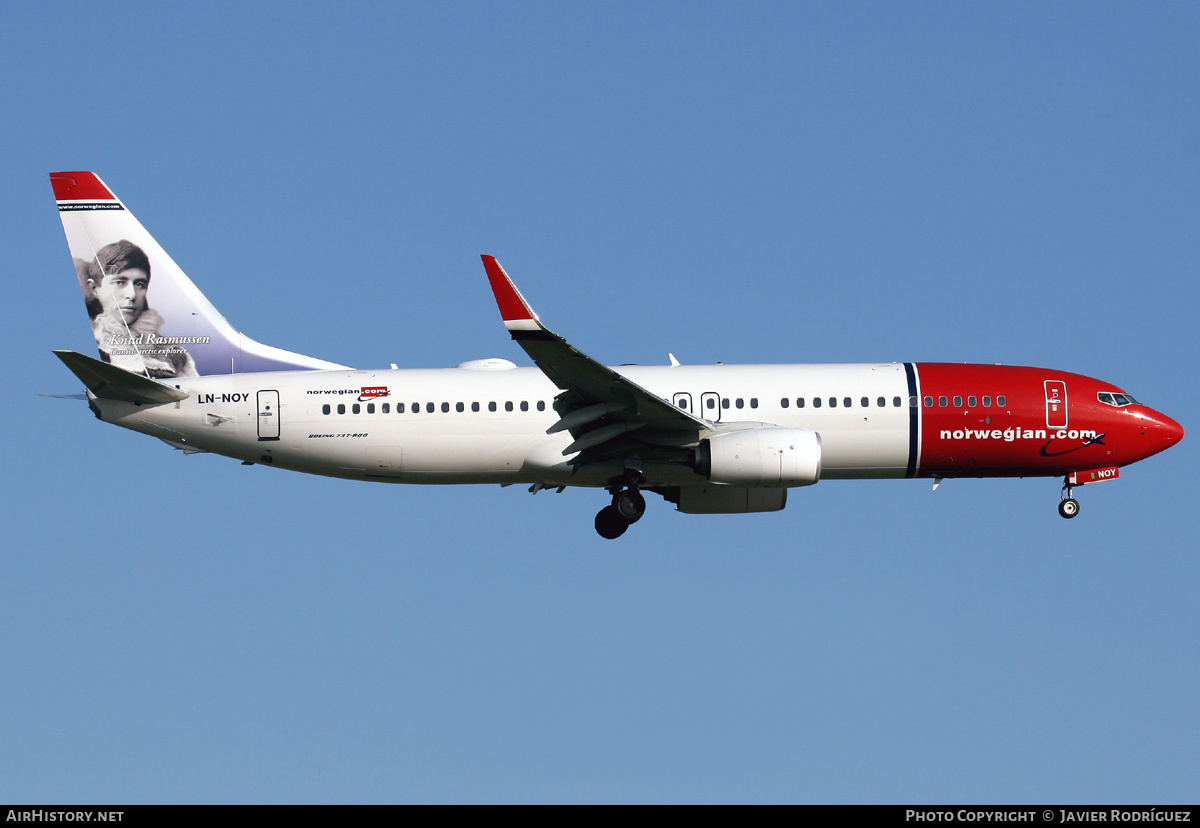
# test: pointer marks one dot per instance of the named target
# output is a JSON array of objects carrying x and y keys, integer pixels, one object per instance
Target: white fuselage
[
  {"x": 712, "y": 439},
  {"x": 466, "y": 425}
]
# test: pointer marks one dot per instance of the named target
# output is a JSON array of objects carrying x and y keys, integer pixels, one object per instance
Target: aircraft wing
[{"x": 609, "y": 415}]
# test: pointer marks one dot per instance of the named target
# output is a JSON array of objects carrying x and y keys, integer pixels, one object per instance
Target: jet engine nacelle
[{"x": 762, "y": 457}]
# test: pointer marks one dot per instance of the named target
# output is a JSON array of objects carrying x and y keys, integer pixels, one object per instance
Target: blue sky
[{"x": 982, "y": 182}]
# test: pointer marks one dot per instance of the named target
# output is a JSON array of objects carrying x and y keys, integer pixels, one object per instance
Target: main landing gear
[
  {"x": 627, "y": 507},
  {"x": 1068, "y": 507}
]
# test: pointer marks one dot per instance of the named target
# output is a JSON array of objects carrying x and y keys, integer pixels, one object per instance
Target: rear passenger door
[{"x": 268, "y": 415}]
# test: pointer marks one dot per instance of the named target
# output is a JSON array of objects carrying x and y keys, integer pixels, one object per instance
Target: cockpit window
[{"x": 1116, "y": 399}]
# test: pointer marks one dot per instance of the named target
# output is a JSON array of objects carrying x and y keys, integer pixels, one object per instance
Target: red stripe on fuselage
[{"x": 1026, "y": 435}]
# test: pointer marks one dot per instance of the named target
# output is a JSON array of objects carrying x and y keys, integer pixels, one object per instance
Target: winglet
[{"x": 515, "y": 311}]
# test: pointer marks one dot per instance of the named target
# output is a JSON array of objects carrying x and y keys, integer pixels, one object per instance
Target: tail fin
[{"x": 146, "y": 314}]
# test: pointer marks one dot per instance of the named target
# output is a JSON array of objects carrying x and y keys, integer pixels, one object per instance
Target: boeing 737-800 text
[{"x": 708, "y": 438}]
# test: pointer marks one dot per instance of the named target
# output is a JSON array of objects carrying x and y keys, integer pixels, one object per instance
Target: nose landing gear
[
  {"x": 627, "y": 507},
  {"x": 1068, "y": 506}
]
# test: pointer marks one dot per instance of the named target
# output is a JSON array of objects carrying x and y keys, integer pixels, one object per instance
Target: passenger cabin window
[
  {"x": 386, "y": 408},
  {"x": 987, "y": 402},
  {"x": 816, "y": 402},
  {"x": 428, "y": 408},
  {"x": 370, "y": 408},
  {"x": 783, "y": 403},
  {"x": 942, "y": 402},
  {"x": 866, "y": 403},
  {"x": 710, "y": 403},
  {"x": 833, "y": 402},
  {"x": 341, "y": 408},
  {"x": 739, "y": 403},
  {"x": 799, "y": 402},
  {"x": 325, "y": 408},
  {"x": 846, "y": 402},
  {"x": 896, "y": 402},
  {"x": 460, "y": 407},
  {"x": 881, "y": 402},
  {"x": 524, "y": 405},
  {"x": 929, "y": 402},
  {"x": 1000, "y": 401},
  {"x": 508, "y": 406},
  {"x": 357, "y": 408},
  {"x": 958, "y": 402},
  {"x": 491, "y": 406},
  {"x": 754, "y": 402},
  {"x": 724, "y": 402},
  {"x": 541, "y": 405}
]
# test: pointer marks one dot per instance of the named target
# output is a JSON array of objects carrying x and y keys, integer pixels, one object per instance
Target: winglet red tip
[
  {"x": 79, "y": 186},
  {"x": 513, "y": 307}
]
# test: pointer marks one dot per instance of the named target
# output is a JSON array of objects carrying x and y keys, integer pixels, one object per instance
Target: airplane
[{"x": 710, "y": 439}]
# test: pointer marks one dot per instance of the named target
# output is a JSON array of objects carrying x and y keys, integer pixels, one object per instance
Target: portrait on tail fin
[
  {"x": 147, "y": 315},
  {"x": 116, "y": 285}
]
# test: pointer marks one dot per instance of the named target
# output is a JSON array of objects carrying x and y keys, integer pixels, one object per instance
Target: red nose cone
[
  {"x": 1159, "y": 432},
  {"x": 1168, "y": 429}
]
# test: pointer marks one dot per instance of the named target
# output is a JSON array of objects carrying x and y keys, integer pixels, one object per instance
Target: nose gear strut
[{"x": 1068, "y": 506}]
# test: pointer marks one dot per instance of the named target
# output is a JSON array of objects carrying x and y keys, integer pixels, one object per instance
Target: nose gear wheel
[{"x": 1068, "y": 506}]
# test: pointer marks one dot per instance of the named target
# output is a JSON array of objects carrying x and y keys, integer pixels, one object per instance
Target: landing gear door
[
  {"x": 268, "y": 415},
  {"x": 710, "y": 406},
  {"x": 1056, "y": 404}
]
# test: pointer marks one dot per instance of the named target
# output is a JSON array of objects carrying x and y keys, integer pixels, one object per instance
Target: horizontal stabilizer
[{"x": 112, "y": 383}]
